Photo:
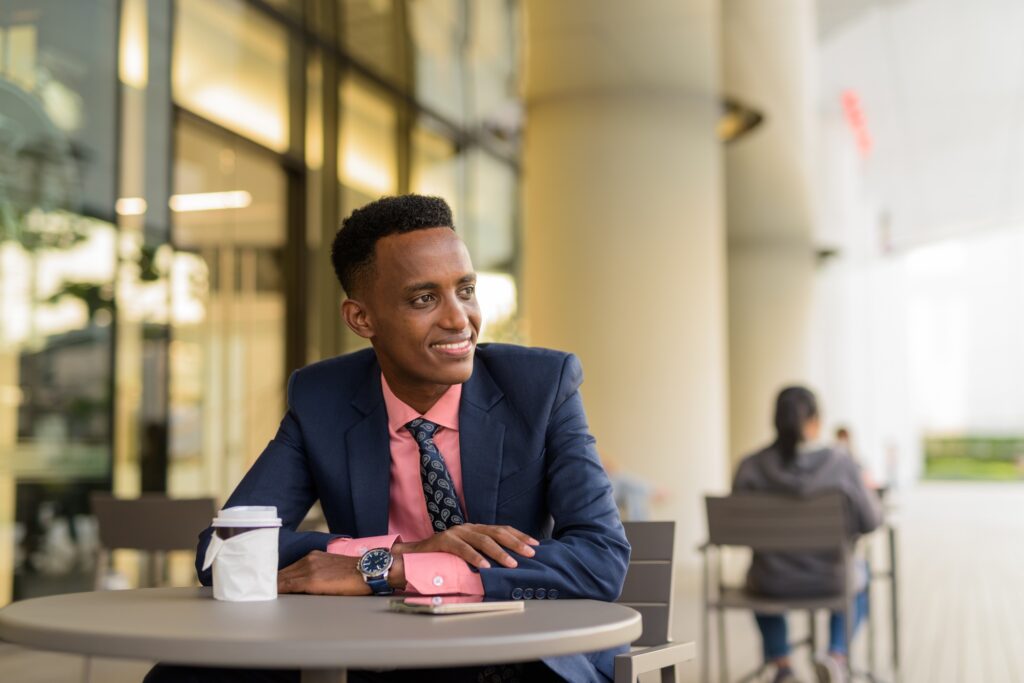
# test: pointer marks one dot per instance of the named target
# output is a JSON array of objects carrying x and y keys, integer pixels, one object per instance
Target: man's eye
[
  {"x": 423, "y": 299},
  {"x": 468, "y": 292}
]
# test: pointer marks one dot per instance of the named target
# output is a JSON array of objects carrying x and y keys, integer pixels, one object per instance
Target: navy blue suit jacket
[{"x": 528, "y": 460}]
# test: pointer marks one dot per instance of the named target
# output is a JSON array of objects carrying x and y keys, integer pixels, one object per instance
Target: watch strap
[{"x": 379, "y": 585}]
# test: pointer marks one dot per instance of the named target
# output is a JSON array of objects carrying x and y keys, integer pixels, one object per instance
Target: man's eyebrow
[
  {"x": 469, "y": 277},
  {"x": 418, "y": 286}
]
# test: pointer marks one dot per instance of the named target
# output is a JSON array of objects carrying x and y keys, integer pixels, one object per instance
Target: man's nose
[{"x": 454, "y": 316}]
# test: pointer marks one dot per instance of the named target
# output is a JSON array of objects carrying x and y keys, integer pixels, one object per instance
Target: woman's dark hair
[
  {"x": 353, "y": 248},
  {"x": 793, "y": 408}
]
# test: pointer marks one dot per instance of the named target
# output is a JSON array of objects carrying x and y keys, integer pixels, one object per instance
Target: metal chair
[
  {"x": 648, "y": 589},
  {"x": 152, "y": 523},
  {"x": 772, "y": 523}
]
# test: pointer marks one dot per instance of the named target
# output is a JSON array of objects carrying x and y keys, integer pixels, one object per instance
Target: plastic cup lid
[{"x": 247, "y": 516}]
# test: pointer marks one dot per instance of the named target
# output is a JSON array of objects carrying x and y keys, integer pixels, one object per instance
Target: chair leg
[
  {"x": 668, "y": 674},
  {"x": 894, "y": 605},
  {"x": 705, "y": 659},
  {"x": 87, "y": 669},
  {"x": 102, "y": 567},
  {"x": 624, "y": 671},
  {"x": 723, "y": 655},
  {"x": 812, "y": 633},
  {"x": 870, "y": 631}
]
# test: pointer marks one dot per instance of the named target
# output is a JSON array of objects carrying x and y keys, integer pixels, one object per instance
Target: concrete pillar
[
  {"x": 769, "y": 63},
  {"x": 624, "y": 259}
]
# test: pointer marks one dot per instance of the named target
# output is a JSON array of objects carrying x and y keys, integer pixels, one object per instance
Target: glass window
[
  {"x": 490, "y": 218},
  {"x": 436, "y": 168},
  {"x": 291, "y": 8},
  {"x": 317, "y": 290},
  {"x": 367, "y": 141},
  {"x": 231, "y": 66},
  {"x": 437, "y": 29},
  {"x": 58, "y": 76},
  {"x": 491, "y": 60},
  {"x": 227, "y": 351},
  {"x": 370, "y": 33}
]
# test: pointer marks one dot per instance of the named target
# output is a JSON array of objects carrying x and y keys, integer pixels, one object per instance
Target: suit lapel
[
  {"x": 369, "y": 458},
  {"x": 481, "y": 439}
]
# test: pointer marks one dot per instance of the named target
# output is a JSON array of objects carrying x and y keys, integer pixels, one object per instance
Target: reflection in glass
[
  {"x": 490, "y": 218},
  {"x": 367, "y": 144},
  {"x": 370, "y": 33},
  {"x": 491, "y": 57},
  {"x": 228, "y": 310},
  {"x": 436, "y": 168},
  {"x": 57, "y": 106},
  {"x": 56, "y": 292},
  {"x": 231, "y": 66},
  {"x": 133, "y": 67},
  {"x": 321, "y": 291},
  {"x": 63, "y": 57},
  {"x": 438, "y": 32}
]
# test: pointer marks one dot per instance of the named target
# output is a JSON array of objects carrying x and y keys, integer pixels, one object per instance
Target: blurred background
[{"x": 705, "y": 200}]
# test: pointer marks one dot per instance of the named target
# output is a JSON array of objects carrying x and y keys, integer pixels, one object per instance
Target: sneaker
[{"x": 829, "y": 670}]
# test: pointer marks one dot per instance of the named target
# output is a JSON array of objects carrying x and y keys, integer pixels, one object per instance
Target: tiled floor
[
  {"x": 961, "y": 554},
  {"x": 18, "y": 665},
  {"x": 961, "y": 548}
]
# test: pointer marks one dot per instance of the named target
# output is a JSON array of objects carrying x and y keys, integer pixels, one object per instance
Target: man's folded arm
[
  {"x": 588, "y": 553},
  {"x": 279, "y": 477},
  {"x": 425, "y": 573}
]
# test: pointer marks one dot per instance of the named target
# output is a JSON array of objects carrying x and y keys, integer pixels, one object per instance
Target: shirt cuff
[
  {"x": 355, "y": 547},
  {"x": 440, "y": 574}
]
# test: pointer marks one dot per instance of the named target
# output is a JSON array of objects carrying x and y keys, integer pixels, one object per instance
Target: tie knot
[{"x": 422, "y": 430}]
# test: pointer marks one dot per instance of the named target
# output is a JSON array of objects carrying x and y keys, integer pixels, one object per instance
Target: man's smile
[{"x": 454, "y": 349}]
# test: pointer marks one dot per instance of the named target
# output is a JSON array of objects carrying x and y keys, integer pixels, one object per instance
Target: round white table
[{"x": 321, "y": 635}]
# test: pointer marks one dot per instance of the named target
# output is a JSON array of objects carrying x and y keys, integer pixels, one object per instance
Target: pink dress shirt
[{"x": 425, "y": 573}]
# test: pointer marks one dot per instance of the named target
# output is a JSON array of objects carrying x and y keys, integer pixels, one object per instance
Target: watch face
[{"x": 375, "y": 562}]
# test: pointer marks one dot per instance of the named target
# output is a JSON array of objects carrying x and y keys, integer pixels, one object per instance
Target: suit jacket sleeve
[
  {"x": 587, "y": 554},
  {"x": 280, "y": 477}
]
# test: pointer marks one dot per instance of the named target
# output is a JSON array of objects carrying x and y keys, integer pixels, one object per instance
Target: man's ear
[{"x": 357, "y": 318}]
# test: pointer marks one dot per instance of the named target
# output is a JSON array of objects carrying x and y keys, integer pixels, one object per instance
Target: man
[{"x": 473, "y": 467}]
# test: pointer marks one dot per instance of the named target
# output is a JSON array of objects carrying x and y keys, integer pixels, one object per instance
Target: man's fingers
[
  {"x": 510, "y": 537},
  {"x": 458, "y": 546},
  {"x": 488, "y": 546},
  {"x": 517, "y": 534},
  {"x": 514, "y": 540}
]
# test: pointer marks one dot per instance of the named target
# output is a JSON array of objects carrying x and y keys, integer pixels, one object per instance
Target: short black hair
[{"x": 353, "y": 249}]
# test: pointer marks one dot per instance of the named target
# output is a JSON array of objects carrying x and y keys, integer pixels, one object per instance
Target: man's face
[{"x": 420, "y": 300}]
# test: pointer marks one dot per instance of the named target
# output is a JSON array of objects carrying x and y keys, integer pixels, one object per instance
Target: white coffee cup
[{"x": 243, "y": 552}]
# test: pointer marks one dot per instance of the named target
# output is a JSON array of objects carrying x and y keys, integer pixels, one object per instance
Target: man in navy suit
[{"x": 495, "y": 465}]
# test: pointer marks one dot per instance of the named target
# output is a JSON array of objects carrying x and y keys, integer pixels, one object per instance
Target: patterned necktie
[{"x": 438, "y": 490}]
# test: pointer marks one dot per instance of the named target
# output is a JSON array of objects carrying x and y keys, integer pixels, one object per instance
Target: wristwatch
[{"x": 374, "y": 566}]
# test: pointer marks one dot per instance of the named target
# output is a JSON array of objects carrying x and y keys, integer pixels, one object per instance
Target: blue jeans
[{"x": 775, "y": 633}]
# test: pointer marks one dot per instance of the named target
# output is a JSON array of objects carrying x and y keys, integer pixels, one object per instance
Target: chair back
[
  {"x": 648, "y": 586},
  {"x": 770, "y": 522},
  {"x": 152, "y": 522}
]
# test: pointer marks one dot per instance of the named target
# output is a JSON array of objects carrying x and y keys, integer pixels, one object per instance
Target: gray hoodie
[{"x": 815, "y": 471}]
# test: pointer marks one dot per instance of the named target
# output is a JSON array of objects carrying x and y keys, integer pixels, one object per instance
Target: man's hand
[
  {"x": 468, "y": 541},
  {"x": 321, "y": 573}
]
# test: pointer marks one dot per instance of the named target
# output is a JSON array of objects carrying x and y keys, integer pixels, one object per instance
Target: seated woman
[{"x": 793, "y": 465}]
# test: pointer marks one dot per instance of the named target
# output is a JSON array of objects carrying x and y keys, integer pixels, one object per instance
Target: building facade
[{"x": 171, "y": 175}]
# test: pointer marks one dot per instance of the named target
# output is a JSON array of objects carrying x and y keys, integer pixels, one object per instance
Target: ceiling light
[{"x": 210, "y": 201}]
